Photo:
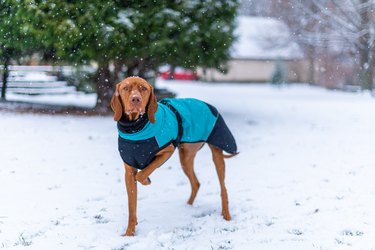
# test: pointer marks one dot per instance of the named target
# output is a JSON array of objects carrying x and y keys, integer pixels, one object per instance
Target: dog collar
[{"x": 131, "y": 127}]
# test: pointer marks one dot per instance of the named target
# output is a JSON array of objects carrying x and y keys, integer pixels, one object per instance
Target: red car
[{"x": 179, "y": 74}]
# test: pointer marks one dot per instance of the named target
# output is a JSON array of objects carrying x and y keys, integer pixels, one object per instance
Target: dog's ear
[
  {"x": 116, "y": 104},
  {"x": 152, "y": 106}
]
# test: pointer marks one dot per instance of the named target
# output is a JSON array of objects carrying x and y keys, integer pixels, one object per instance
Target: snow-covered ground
[
  {"x": 305, "y": 178},
  {"x": 78, "y": 99}
]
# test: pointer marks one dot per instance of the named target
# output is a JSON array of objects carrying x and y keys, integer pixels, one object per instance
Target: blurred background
[{"x": 67, "y": 48}]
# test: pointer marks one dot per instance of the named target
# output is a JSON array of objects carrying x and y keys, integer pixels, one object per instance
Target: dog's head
[{"x": 133, "y": 97}]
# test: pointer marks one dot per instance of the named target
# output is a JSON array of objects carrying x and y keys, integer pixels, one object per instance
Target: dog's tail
[{"x": 230, "y": 156}]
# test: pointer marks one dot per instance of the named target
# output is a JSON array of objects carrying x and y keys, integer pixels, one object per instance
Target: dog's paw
[
  {"x": 147, "y": 181},
  {"x": 226, "y": 216},
  {"x": 129, "y": 232},
  {"x": 142, "y": 180}
]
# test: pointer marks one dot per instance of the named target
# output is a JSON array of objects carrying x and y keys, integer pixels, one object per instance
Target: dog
[{"x": 150, "y": 131}]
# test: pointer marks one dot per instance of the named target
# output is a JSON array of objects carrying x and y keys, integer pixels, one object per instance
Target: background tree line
[
  {"x": 122, "y": 38},
  {"x": 337, "y": 36}
]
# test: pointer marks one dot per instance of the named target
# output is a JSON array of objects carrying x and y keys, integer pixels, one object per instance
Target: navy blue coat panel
[{"x": 177, "y": 121}]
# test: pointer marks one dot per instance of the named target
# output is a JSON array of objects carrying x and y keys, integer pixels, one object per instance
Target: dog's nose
[{"x": 136, "y": 99}]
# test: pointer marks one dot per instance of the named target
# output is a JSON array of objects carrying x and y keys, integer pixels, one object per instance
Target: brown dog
[{"x": 135, "y": 109}]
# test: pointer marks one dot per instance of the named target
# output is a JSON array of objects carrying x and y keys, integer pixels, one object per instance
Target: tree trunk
[
  {"x": 365, "y": 50},
  {"x": 142, "y": 68},
  {"x": 366, "y": 70},
  {"x": 104, "y": 88},
  {"x": 171, "y": 72},
  {"x": 117, "y": 71},
  {"x": 5, "y": 77},
  {"x": 311, "y": 60},
  {"x": 132, "y": 66}
]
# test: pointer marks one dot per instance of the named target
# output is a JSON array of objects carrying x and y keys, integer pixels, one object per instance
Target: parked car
[{"x": 179, "y": 74}]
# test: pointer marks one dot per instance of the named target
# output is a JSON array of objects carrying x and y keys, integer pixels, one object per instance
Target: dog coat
[{"x": 177, "y": 121}]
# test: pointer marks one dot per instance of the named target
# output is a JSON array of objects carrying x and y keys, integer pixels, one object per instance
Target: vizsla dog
[{"x": 150, "y": 131}]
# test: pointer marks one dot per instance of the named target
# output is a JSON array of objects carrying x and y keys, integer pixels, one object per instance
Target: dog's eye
[
  {"x": 126, "y": 88},
  {"x": 143, "y": 88}
]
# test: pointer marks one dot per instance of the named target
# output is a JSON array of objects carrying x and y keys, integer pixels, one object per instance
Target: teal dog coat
[{"x": 177, "y": 121}]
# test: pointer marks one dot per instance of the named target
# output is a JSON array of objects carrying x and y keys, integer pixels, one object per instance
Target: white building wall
[{"x": 241, "y": 71}]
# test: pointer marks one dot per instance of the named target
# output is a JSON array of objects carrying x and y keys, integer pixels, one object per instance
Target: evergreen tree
[
  {"x": 16, "y": 36},
  {"x": 209, "y": 33},
  {"x": 80, "y": 32},
  {"x": 136, "y": 36},
  {"x": 278, "y": 75}
]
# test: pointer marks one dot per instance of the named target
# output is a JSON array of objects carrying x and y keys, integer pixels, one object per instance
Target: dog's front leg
[
  {"x": 131, "y": 188},
  {"x": 161, "y": 157}
]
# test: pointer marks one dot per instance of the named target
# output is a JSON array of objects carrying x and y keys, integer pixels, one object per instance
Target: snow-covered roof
[{"x": 263, "y": 38}]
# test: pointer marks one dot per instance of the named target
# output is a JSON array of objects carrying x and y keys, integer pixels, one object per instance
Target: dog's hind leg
[
  {"x": 187, "y": 152},
  {"x": 218, "y": 158}
]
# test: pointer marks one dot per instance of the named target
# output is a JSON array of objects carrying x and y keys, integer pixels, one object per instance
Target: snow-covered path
[{"x": 305, "y": 178}]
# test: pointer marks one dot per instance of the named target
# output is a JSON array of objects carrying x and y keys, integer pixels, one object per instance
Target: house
[{"x": 263, "y": 46}]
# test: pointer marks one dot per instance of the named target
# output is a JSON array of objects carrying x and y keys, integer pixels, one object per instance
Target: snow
[
  {"x": 304, "y": 178},
  {"x": 31, "y": 76},
  {"x": 26, "y": 81},
  {"x": 78, "y": 99},
  {"x": 263, "y": 38}
]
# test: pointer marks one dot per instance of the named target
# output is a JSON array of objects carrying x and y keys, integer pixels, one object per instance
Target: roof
[{"x": 263, "y": 38}]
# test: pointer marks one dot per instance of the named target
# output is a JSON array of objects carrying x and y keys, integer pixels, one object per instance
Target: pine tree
[
  {"x": 136, "y": 37},
  {"x": 16, "y": 36},
  {"x": 278, "y": 75}
]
